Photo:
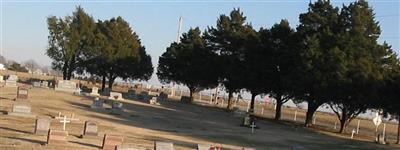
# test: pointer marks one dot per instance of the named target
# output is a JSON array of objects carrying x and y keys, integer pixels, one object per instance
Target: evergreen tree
[
  {"x": 228, "y": 40},
  {"x": 322, "y": 61},
  {"x": 189, "y": 63}
]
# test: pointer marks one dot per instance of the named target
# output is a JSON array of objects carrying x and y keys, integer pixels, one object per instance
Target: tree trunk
[
  {"x": 229, "y": 107},
  {"x": 253, "y": 96},
  {"x": 65, "y": 72},
  {"x": 103, "y": 83},
  {"x": 398, "y": 129},
  {"x": 343, "y": 120},
  {"x": 279, "y": 104},
  {"x": 191, "y": 94},
  {"x": 110, "y": 81},
  {"x": 311, "y": 108}
]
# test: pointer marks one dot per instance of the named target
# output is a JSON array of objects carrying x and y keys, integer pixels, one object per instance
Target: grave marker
[
  {"x": 57, "y": 137},
  {"x": 111, "y": 141},
  {"x": 154, "y": 101},
  {"x": 65, "y": 121},
  {"x": 1, "y": 78},
  {"x": 163, "y": 145},
  {"x": 90, "y": 129},
  {"x": 12, "y": 81},
  {"x": 95, "y": 91},
  {"x": 203, "y": 147},
  {"x": 42, "y": 126},
  {"x": 21, "y": 108},
  {"x": 22, "y": 93},
  {"x": 66, "y": 86},
  {"x": 36, "y": 84},
  {"x": 185, "y": 99},
  {"x": 116, "y": 108},
  {"x": 115, "y": 96}
]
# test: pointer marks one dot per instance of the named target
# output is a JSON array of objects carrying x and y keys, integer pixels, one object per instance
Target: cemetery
[
  {"x": 173, "y": 124},
  {"x": 320, "y": 75}
]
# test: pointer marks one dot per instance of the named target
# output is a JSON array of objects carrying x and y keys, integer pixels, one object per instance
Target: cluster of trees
[
  {"x": 332, "y": 57},
  {"x": 107, "y": 49}
]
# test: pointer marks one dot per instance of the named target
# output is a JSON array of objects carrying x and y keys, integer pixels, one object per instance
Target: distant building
[{"x": 2, "y": 67}]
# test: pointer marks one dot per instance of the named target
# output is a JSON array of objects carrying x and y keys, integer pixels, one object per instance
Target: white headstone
[{"x": 66, "y": 86}]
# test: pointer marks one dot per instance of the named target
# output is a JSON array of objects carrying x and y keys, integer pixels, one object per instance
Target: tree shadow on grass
[
  {"x": 16, "y": 130},
  {"x": 28, "y": 140},
  {"x": 86, "y": 144}
]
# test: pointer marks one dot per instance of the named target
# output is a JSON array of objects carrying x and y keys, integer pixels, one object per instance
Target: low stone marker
[
  {"x": 42, "y": 126},
  {"x": 163, "y": 145},
  {"x": 21, "y": 108},
  {"x": 57, "y": 137},
  {"x": 154, "y": 101},
  {"x": 36, "y": 84},
  {"x": 185, "y": 99},
  {"x": 1, "y": 78},
  {"x": 95, "y": 91},
  {"x": 12, "y": 81},
  {"x": 44, "y": 84},
  {"x": 22, "y": 93},
  {"x": 66, "y": 86},
  {"x": 115, "y": 96},
  {"x": 129, "y": 147},
  {"x": 111, "y": 141},
  {"x": 97, "y": 104},
  {"x": 203, "y": 147},
  {"x": 90, "y": 129}
]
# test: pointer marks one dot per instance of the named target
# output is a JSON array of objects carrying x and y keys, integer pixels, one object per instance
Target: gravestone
[
  {"x": 154, "y": 101},
  {"x": 163, "y": 145},
  {"x": 1, "y": 78},
  {"x": 163, "y": 96},
  {"x": 90, "y": 129},
  {"x": 130, "y": 95},
  {"x": 203, "y": 147},
  {"x": 106, "y": 92},
  {"x": 22, "y": 93},
  {"x": 57, "y": 137},
  {"x": 36, "y": 84},
  {"x": 42, "y": 126},
  {"x": 115, "y": 96},
  {"x": 95, "y": 91},
  {"x": 66, "y": 86},
  {"x": 185, "y": 99},
  {"x": 111, "y": 141},
  {"x": 44, "y": 84},
  {"x": 129, "y": 147},
  {"x": 12, "y": 81},
  {"x": 116, "y": 108},
  {"x": 21, "y": 108},
  {"x": 247, "y": 121},
  {"x": 97, "y": 104}
]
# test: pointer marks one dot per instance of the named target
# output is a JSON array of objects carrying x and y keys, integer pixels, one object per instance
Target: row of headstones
[
  {"x": 42, "y": 84},
  {"x": 110, "y": 141}
]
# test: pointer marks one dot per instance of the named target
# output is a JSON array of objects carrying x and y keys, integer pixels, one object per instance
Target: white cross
[
  {"x": 252, "y": 127},
  {"x": 64, "y": 121},
  {"x": 352, "y": 133}
]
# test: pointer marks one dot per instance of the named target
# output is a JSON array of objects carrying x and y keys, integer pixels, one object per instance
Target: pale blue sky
[{"x": 24, "y": 29}]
